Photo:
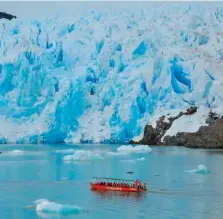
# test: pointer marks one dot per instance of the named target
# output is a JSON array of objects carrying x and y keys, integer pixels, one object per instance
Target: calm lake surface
[{"x": 40, "y": 172}]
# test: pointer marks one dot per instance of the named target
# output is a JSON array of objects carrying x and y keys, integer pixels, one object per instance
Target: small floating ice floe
[
  {"x": 132, "y": 161},
  {"x": 136, "y": 149},
  {"x": 48, "y": 207},
  {"x": 125, "y": 150},
  {"x": 128, "y": 161},
  {"x": 66, "y": 151},
  {"x": 14, "y": 153},
  {"x": 117, "y": 153},
  {"x": 21, "y": 153},
  {"x": 83, "y": 155},
  {"x": 200, "y": 170},
  {"x": 141, "y": 159}
]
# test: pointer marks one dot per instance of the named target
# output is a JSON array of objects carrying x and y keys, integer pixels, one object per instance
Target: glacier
[{"x": 101, "y": 76}]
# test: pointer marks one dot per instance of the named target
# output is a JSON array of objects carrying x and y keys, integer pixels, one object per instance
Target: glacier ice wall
[{"x": 99, "y": 77}]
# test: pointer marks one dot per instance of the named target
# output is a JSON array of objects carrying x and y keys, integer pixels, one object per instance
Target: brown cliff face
[{"x": 210, "y": 136}]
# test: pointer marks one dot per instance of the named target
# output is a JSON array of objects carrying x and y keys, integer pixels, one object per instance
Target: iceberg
[
  {"x": 200, "y": 170},
  {"x": 102, "y": 76},
  {"x": 136, "y": 149},
  {"x": 126, "y": 150},
  {"x": 48, "y": 207}
]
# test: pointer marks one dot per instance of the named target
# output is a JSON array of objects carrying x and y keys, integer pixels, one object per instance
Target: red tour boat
[{"x": 118, "y": 185}]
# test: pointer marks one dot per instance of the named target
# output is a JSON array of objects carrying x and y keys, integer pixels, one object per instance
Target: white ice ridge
[
  {"x": 102, "y": 76},
  {"x": 83, "y": 155},
  {"x": 46, "y": 206}
]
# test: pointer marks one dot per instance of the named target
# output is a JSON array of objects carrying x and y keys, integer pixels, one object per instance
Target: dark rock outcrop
[
  {"x": 6, "y": 16},
  {"x": 210, "y": 136}
]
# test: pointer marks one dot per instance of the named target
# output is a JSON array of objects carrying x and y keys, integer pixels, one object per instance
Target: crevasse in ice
[{"x": 100, "y": 77}]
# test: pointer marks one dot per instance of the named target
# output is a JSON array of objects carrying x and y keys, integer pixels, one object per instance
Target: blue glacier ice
[{"x": 99, "y": 77}]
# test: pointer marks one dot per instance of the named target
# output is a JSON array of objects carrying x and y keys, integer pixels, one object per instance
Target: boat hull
[{"x": 112, "y": 188}]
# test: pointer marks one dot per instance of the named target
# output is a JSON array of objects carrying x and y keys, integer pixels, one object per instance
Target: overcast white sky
[{"x": 28, "y": 9}]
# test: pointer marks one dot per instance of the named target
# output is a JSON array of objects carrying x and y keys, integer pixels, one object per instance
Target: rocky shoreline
[{"x": 210, "y": 136}]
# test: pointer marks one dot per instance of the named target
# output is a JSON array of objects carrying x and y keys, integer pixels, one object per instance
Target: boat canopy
[{"x": 113, "y": 179}]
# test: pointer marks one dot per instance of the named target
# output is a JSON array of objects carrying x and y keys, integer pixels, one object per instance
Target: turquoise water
[{"x": 40, "y": 173}]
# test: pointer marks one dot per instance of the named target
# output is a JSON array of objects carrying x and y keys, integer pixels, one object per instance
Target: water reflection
[
  {"x": 109, "y": 194},
  {"x": 214, "y": 151}
]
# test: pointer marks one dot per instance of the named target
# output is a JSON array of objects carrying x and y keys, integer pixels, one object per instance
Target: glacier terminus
[{"x": 102, "y": 76}]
